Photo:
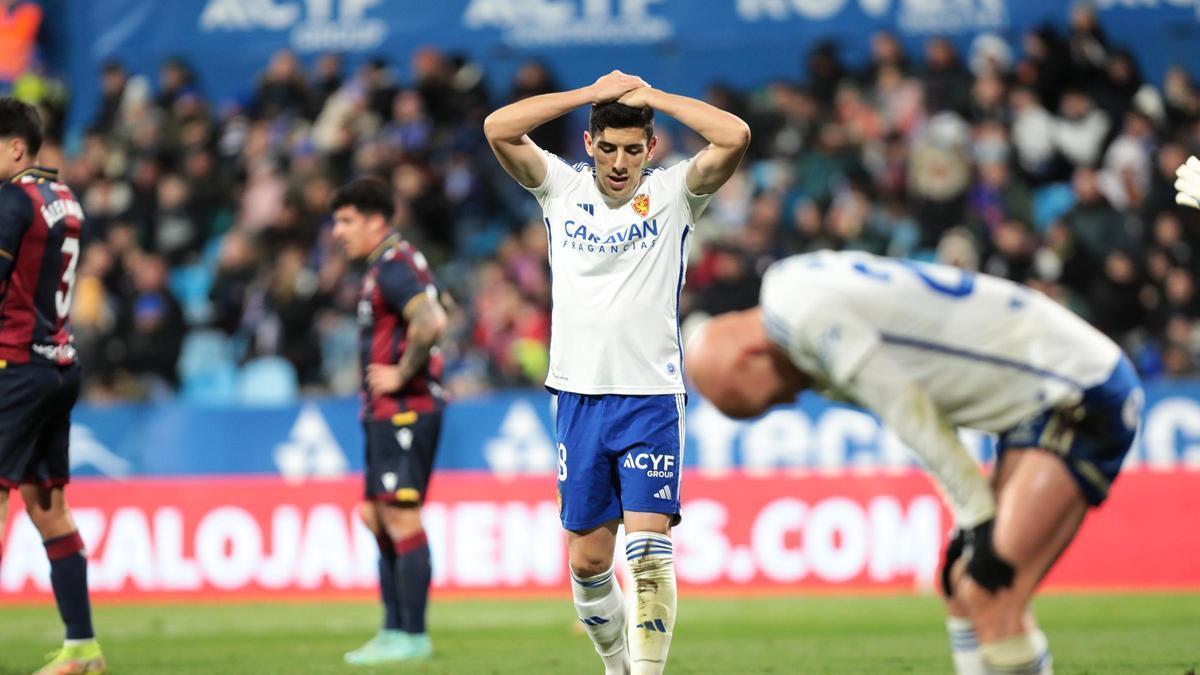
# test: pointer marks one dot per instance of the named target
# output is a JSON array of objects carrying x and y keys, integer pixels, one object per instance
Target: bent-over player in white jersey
[
  {"x": 618, "y": 249},
  {"x": 930, "y": 348}
]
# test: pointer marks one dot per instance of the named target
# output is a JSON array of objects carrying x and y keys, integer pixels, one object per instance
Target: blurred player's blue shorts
[
  {"x": 618, "y": 453},
  {"x": 1092, "y": 437}
]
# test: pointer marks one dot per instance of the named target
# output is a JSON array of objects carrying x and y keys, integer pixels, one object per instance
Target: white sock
[
  {"x": 964, "y": 647},
  {"x": 1027, "y": 654},
  {"x": 652, "y": 565},
  {"x": 601, "y": 608},
  {"x": 76, "y": 643}
]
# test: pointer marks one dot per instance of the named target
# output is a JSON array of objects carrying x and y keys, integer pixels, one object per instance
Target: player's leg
[
  {"x": 964, "y": 642},
  {"x": 650, "y": 472},
  {"x": 413, "y": 571},
  {"x": 599, "y": 601},
  {"x": 415, "y": 439},
  {"x": 1039, "y": 508},
  {"x": 368, "y": 513},
  {"x": 650, "y": 553},
  {"x": 47, "y": 509},
  {"x": 1053, "y": 470},
  {"x": 46, "y": 503},
  {"x": 386, "y": 644},
  {"x": 590, "y": 510},
  {"x": 400, "y": 456}
]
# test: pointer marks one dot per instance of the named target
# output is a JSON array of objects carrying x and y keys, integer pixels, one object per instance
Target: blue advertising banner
[
  {"x": 681, "y": 44},
  {"x": 512, "y": 433}
]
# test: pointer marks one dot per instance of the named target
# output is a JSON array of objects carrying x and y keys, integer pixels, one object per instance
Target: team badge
[{"x": 641, "y": 204}]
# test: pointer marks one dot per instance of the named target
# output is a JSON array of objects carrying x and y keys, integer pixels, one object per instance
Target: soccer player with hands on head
[
  {"x": 930, "y": 349},
  {"x": 617, "y": 232}
]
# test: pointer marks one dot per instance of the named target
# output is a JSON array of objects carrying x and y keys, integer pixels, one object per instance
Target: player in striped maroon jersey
[
  {"x": 40, "y": 224},
  {"x": 400, "y": 322}
]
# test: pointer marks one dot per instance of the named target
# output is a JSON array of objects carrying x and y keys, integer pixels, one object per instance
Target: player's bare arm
[
  {"x": 426, "y": 325},
  {"x": 506, "y": 129},
  {"x": 727, "y": 135}
]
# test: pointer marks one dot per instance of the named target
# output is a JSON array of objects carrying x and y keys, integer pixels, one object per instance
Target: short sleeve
[
  {"x": 693, "y": 204},
  {"x": 16, "y": 214},
  {"x": 820, "y": 334},
  {"x": 400, "y": 282},
  {"x": 558, "y": 176}
]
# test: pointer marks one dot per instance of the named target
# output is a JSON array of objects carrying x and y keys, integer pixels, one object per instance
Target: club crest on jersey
[{"x": 641, "y": 204}]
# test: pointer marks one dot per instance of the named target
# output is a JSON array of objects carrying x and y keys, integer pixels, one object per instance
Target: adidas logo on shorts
[{"x": 664, "y": 493}]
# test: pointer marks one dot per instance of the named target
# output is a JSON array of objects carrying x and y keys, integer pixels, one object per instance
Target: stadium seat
[
  {"x": 201, "y": 349},
  {"x": 206, "y": 369},
  {"x": 191, "y": 284},
  {"x": 212, "y": 386},
  {"x": 268, "y": 380}
]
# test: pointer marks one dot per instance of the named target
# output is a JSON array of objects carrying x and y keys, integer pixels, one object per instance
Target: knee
[
  {"x": 49, "y": 521},
  {"x": 584, "y": 566},
  {"x": 366, "y": 514},
  {"x": 401, "y": 522}
]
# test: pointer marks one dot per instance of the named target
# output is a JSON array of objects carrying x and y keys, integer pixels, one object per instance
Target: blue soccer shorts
[
  {"x": 618, "y": 453},
  {"x": 1093, "y": 437}
]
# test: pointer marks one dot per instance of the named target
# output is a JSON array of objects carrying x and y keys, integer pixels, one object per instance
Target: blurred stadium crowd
[{"x": 1049, "y": 161}]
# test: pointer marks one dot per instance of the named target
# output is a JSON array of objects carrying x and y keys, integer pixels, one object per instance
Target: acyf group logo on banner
[{"x": 314, "y": 25}]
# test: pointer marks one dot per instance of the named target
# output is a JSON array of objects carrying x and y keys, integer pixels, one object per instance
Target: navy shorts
[
  {"x": 1092, "y": 437},
  {"x": 618, "y": 453},
  {"x": 35, "y": 423},
  {"x": 400, "y": 455}
]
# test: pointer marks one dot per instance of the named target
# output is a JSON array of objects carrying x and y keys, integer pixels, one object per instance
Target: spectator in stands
[
  {"x": 280, "y": 312},
  {"x": 236, "y": 270},
  {"x": 1098, "y": 226},
  {"x": 326, "y": 79},
  {"x": 947, "y": 82},
  {"x": 282, "y": 89},
  {"x": 175, "y": 79},
  {"x": 150, "y": 326},
  {"x": 533, "y": 78},
  {"x": 1080, "y": 129},
  {"x": 113, "y": 79},
  {"x": 20, "y": 21}
]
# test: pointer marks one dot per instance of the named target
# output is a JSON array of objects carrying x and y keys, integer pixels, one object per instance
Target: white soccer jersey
[
  {"x": 616, "y": 278},
  {"x": 989, "y": 352}
]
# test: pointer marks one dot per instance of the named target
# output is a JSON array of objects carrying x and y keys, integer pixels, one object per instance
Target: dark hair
[
  {"x": 613, "y": 115},
  {"x": 368, "y": 195},
  {"x": 21, "y": 120}
]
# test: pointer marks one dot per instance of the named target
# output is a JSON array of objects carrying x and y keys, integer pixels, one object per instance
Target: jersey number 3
[{"x": 62, "y": 298}]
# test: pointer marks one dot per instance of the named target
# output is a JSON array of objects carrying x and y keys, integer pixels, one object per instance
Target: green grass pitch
[{"x": 1146, "y": 633}]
